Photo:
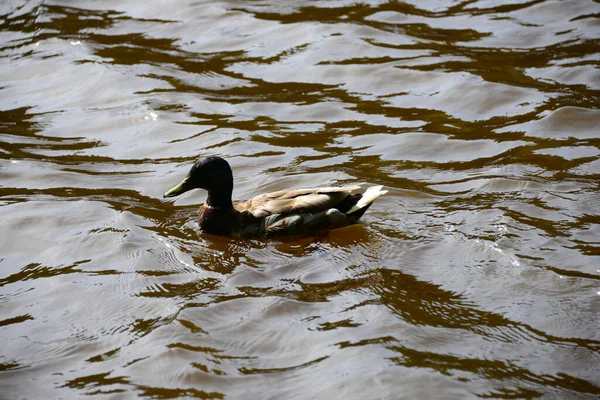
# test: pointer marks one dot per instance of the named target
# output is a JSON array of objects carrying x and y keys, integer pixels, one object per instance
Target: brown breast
[{"x": 217, "y": 221}]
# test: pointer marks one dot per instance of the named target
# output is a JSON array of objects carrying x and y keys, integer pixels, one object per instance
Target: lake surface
[{"x": 476, "y": 276}]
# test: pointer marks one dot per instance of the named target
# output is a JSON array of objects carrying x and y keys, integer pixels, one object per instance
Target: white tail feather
[{"x": 367, "y": 198}]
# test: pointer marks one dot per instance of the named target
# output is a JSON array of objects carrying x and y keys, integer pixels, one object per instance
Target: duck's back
[{"x": 287, "y": 202}]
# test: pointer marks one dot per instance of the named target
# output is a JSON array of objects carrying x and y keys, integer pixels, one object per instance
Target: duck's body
[{"x": 282, "y": 213}]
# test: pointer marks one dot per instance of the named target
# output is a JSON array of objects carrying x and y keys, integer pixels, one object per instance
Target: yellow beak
[{"x": 183, "y": 187}]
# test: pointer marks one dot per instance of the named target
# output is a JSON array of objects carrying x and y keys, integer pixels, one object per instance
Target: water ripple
[{"x": 476, "y": 275}]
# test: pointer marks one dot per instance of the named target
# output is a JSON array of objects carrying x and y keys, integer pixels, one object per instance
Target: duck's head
[{"x": 211, "y": 173}]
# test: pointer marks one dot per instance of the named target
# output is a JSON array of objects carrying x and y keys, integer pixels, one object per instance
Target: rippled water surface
[{"x": 476, "y": 276}]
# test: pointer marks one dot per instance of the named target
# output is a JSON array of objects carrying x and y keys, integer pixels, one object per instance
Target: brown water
[{"x": 476, "y": 276}]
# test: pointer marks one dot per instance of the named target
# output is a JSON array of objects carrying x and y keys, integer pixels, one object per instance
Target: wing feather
[{"x": 287, "y": 202}]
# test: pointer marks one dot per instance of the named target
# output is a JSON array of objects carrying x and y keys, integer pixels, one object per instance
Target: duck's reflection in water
[{"x": 223, "y": 254}]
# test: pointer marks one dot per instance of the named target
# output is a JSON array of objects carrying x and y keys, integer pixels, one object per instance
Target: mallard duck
[{"x": 282, "y": 213}]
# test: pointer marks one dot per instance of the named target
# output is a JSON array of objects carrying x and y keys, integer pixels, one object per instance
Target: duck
[{"x": 296, "y": 212}]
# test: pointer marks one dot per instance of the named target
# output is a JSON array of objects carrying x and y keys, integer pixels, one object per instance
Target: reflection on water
[{"x": 475, "y": 276}]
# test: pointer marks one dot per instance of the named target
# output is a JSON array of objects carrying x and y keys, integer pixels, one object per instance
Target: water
[{"x": 476, "y": 276}]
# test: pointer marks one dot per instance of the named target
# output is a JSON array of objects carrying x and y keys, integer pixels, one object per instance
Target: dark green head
[{"x": 212, "y": 174}]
